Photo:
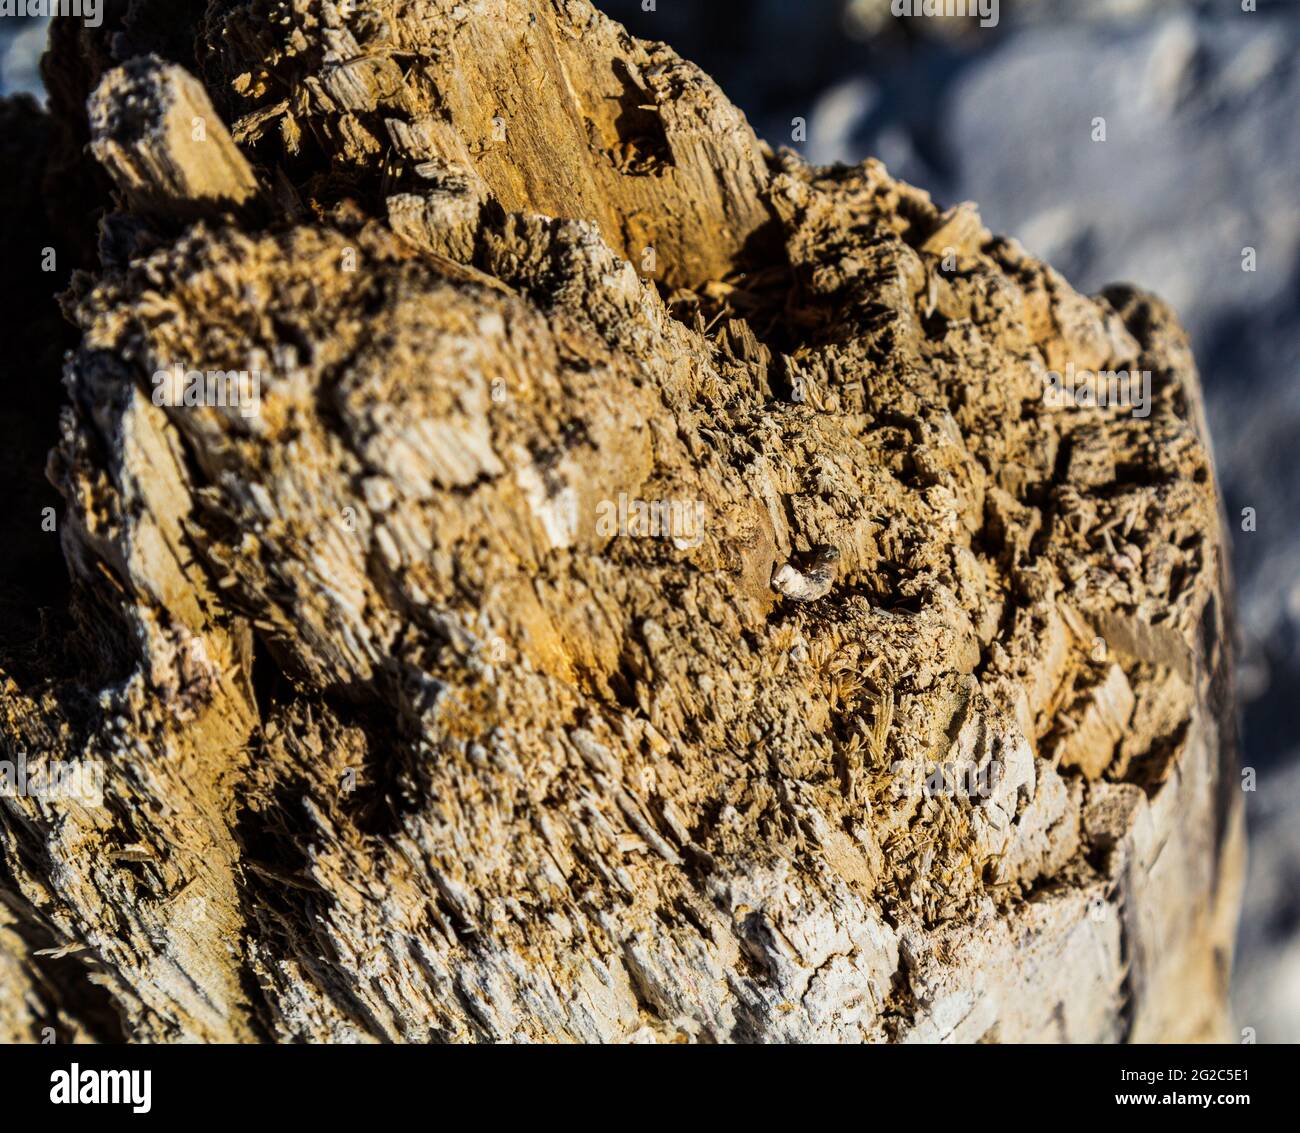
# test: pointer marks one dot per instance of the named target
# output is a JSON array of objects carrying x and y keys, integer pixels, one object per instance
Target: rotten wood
[{"x": 447, "y": 696}]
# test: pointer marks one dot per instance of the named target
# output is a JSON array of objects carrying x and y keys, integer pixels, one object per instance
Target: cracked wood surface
[{"x": 401, "y": 742}]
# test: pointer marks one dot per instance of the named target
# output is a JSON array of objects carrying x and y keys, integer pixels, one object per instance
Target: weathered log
[{"x": 647, "y": 596}]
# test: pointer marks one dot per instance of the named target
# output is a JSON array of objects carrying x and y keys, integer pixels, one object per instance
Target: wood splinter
[{"x": 155, "y": 130}]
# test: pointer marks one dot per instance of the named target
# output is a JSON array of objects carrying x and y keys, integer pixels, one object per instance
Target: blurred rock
[
  {"x": 1267, "y": 985},
  {"x": 21, "y": 44}
]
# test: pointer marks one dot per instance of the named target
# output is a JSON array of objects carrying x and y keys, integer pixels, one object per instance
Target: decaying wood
[
  {"x": 404, "y": 739},
  {"x": 156, "y": 133}
]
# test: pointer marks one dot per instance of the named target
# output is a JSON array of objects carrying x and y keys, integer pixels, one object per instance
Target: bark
[{"x": 418, "y": 723}]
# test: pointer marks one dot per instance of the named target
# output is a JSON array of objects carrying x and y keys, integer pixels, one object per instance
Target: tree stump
[{"x": 622, "y": 583}]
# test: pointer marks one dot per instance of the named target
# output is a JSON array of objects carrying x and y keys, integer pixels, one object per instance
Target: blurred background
[{"x": 1201, "y": 162}]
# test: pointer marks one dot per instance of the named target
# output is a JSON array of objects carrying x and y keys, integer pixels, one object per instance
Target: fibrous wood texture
[{"x": 418, "y": 724}]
